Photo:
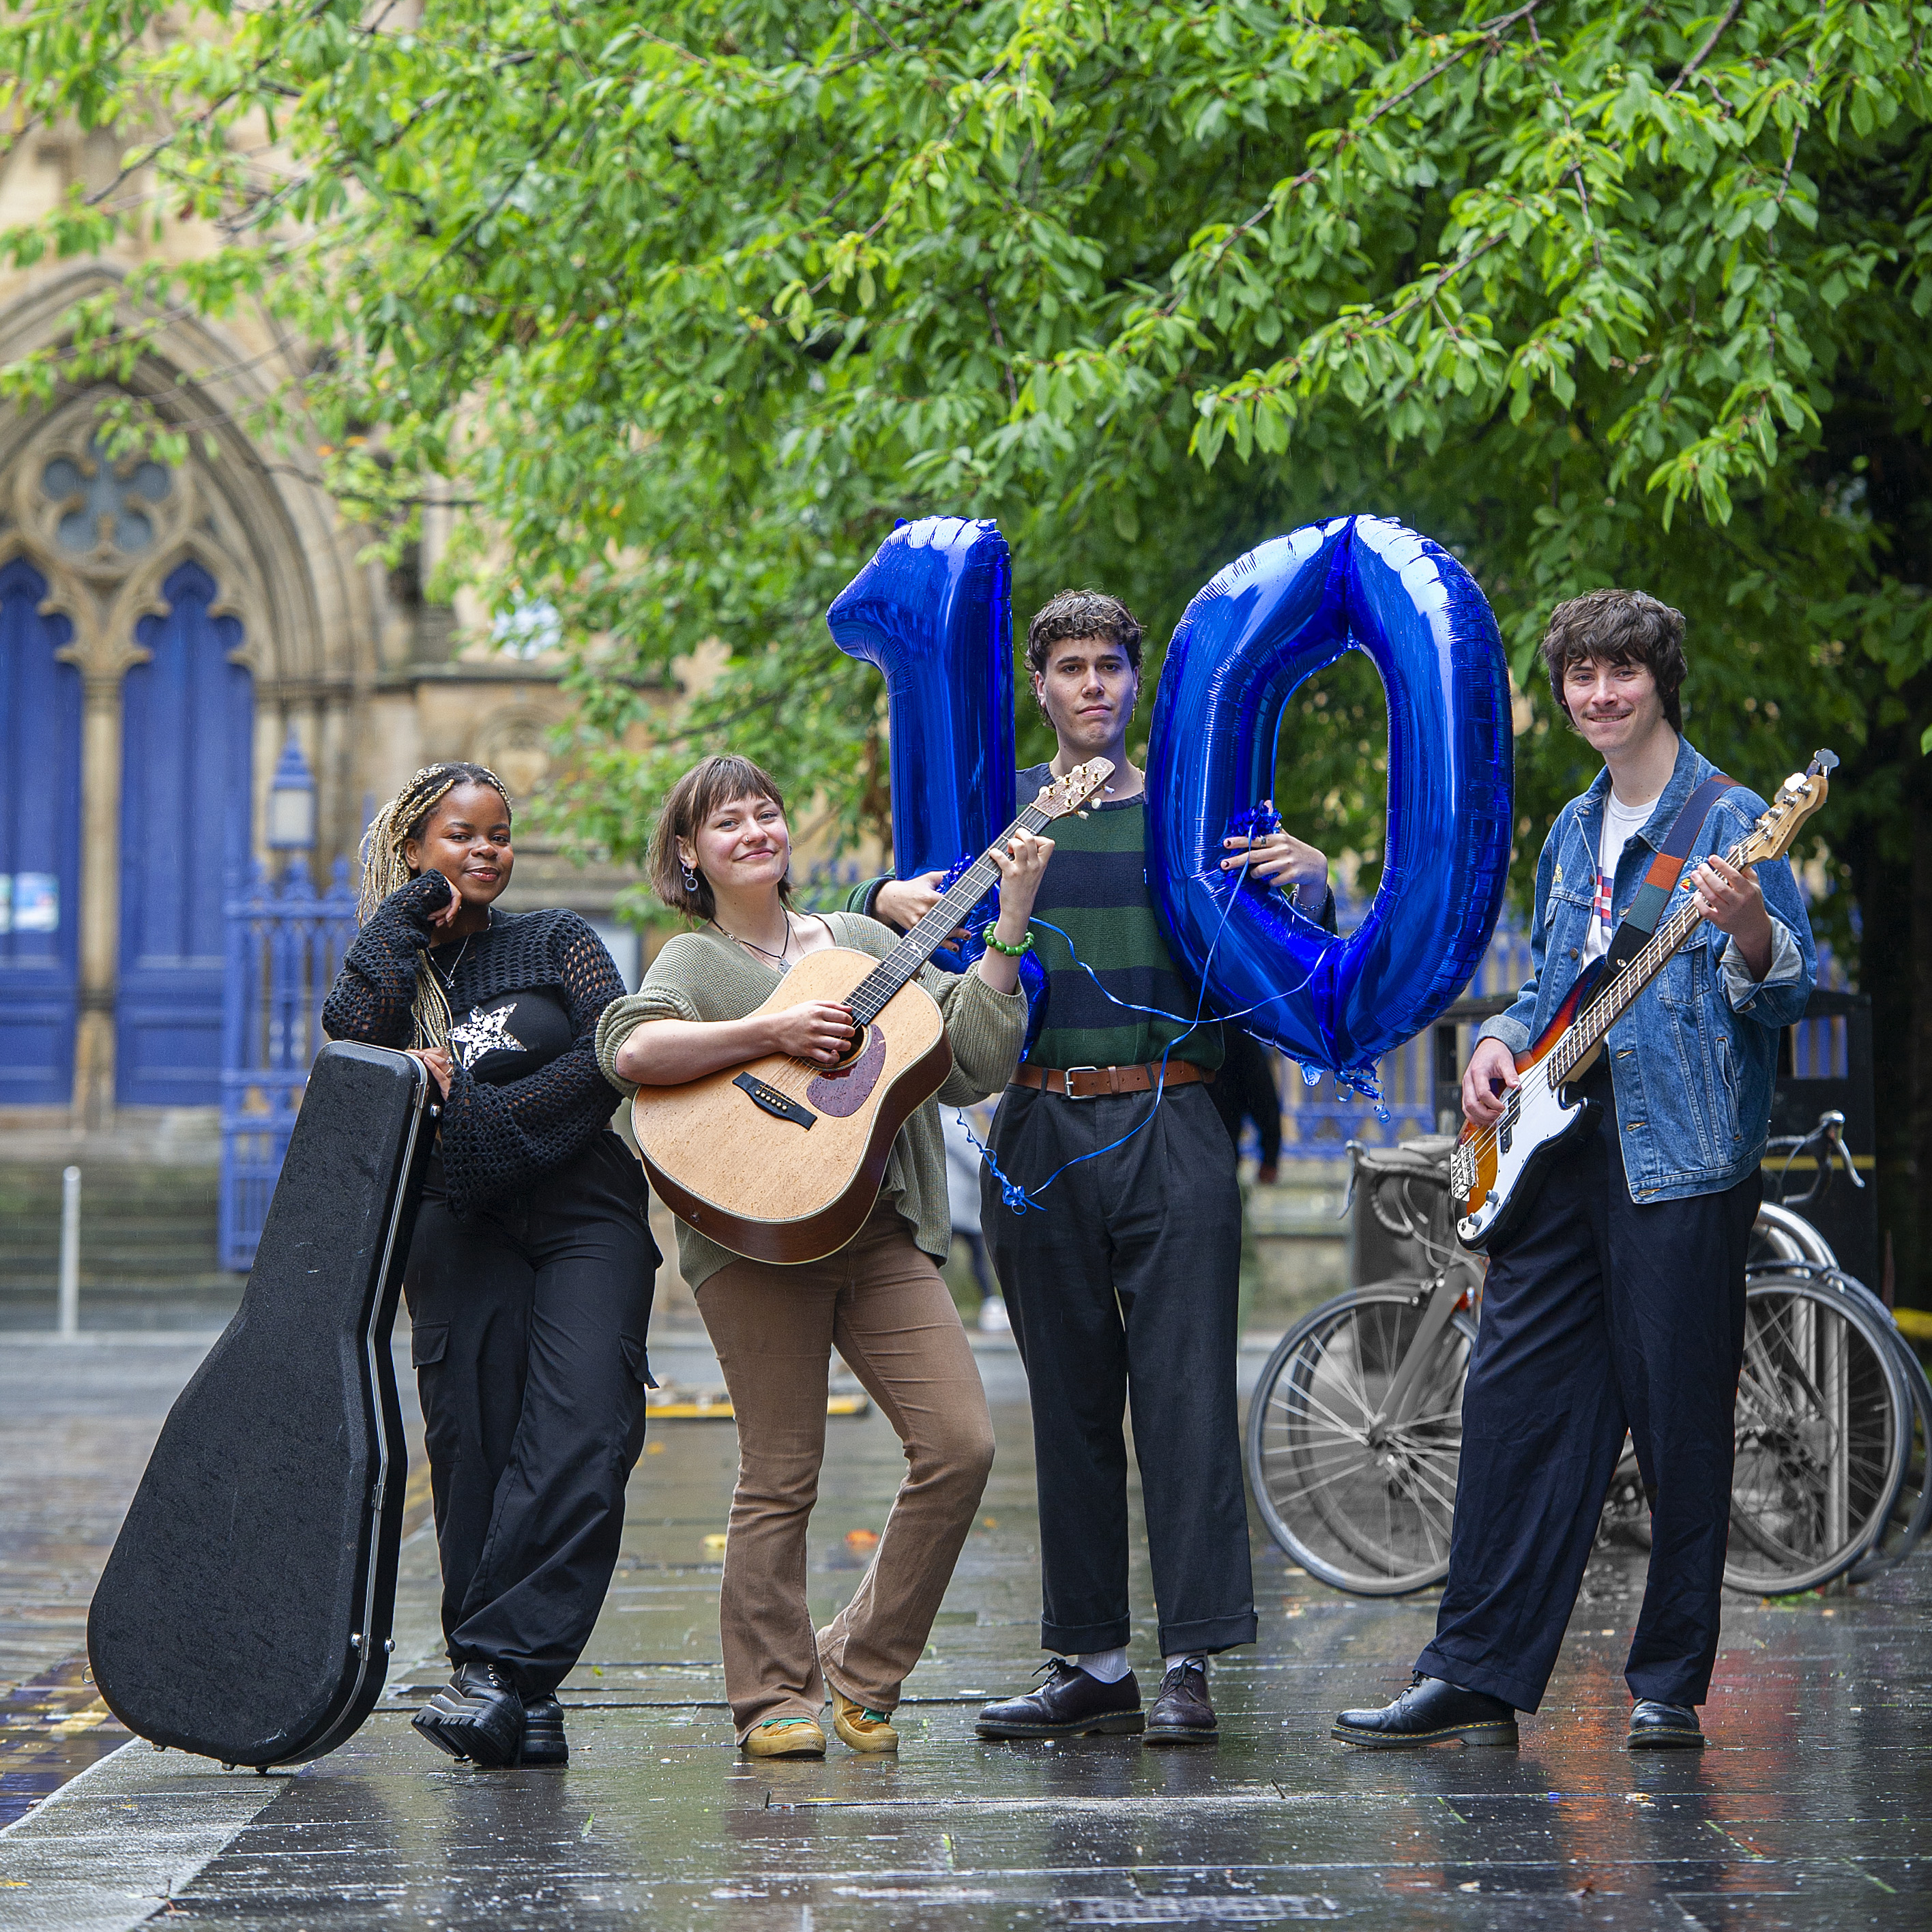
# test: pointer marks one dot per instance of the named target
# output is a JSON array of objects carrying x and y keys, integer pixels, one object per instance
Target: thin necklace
[
  {"x": 764, "y": 952},
  {"x": 780, "y": 959},
  {"x": 449, "y": 977}
]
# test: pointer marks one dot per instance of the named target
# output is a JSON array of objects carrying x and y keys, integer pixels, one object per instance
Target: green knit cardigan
[{"x": 703, "y": 975}]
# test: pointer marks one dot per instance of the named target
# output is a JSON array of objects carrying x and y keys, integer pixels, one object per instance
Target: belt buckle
[{"x": 1066, "y": 1083}]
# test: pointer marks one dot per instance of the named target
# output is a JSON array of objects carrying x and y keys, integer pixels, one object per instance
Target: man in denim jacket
[{"x": 1620, "y": 1302}]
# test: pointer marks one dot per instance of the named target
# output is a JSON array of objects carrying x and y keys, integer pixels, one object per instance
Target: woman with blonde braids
[{"x": 530, "y": 1278}]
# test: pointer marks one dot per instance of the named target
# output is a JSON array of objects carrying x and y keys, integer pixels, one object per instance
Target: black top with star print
[
  {"x": 502, "y": 1039},
  {"x": 525, "y": 1094}
]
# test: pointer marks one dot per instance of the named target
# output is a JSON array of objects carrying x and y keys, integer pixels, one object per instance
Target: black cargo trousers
[
  {"x": 1124, "y": 1286},
  {"x": 530, "y": 1322}
]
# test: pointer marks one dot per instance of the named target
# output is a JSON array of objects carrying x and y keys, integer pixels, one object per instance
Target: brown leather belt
[{"x": 1089, "y": 1083}]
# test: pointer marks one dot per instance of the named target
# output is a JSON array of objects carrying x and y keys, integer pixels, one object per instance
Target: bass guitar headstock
[
  {"x": 1797, "y": 798},
  {"x": 1070, "y": 794}
]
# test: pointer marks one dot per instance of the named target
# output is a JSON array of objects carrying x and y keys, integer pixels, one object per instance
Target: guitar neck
[
  {"x": 1617, "y": 998},
  {"x": 870, "y": 997}
]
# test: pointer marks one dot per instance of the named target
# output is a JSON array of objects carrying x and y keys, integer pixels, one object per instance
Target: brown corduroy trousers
[{"x": 881, "y": 1302}]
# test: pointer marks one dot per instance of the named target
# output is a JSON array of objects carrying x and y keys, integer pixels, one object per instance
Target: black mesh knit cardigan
[{"x": 496, "y": 1140}]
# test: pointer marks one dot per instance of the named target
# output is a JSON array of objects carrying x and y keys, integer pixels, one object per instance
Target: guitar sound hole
[{"x": 860, "y": 1039}]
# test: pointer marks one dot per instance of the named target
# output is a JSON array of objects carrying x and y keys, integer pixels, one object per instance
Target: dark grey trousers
[{"x": 1122, "y": 1286}]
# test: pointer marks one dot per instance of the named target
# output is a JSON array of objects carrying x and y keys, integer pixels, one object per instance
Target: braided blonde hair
[{"x": 385, "y": 870}]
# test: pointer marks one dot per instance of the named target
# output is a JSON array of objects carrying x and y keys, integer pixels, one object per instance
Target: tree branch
[{"x": 1703, "y": 53}]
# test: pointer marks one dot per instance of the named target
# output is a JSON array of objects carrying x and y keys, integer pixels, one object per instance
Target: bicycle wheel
[
  {"x": 1912, "y": 1508},
  {"x": 1783, "y": 1242},
  {"x": 1365, "y": 1506},
  {"x": 1824, "y": 1422}
]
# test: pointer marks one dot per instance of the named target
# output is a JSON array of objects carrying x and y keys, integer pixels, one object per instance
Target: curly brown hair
[
  {"x": 1618, "y": 627},
  {"x": 1082, "y": 613},
  {"x": 711, "y": 782}
]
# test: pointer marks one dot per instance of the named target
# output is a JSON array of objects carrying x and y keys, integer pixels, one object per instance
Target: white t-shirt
[{"x": 1621, "y": 824}]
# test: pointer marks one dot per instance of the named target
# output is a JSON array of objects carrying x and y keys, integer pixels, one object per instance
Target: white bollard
[{"x": 70, "y": 1253}]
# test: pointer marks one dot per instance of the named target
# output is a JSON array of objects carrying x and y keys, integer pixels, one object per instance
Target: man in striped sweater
[{"x": 1122, "y": 1283}]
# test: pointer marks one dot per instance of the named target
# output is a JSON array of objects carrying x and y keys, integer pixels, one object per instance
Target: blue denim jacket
[{"x": 1693, "y": 1061}]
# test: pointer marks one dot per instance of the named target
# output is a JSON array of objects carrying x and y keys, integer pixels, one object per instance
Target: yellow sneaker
[
  {"x": 864, "y": 1730},
  {"x": 785, "y": 1737}
]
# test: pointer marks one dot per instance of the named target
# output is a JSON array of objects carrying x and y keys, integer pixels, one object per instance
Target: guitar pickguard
[{"x": 844, "y": 1090}]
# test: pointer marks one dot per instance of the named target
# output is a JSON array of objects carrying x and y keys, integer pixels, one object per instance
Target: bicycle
[
  {"x": 1354, "y": 1433},
  {"x": 1785, "y": 1243}
]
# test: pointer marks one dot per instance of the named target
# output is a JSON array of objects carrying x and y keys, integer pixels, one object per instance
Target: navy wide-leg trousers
[{"x": 1601, "y": 1315}]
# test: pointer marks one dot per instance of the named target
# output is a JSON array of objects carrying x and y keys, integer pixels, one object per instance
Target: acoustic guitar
[
  {"x": 781, "y": 1159},
  {"x": 1495, "y": 1171}
]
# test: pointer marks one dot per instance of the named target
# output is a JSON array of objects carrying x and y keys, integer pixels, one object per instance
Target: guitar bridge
[{"x": 782, "y": 1106}]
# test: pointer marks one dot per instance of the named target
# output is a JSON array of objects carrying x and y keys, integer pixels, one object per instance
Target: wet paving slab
[{"x": 1810, "y": 1809}]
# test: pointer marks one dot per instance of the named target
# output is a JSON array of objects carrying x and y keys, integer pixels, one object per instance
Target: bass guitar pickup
[{"x": 782, "y": 1105}]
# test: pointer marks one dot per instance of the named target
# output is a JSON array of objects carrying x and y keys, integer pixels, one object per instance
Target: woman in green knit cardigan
[{"x": 722, "y": 853}]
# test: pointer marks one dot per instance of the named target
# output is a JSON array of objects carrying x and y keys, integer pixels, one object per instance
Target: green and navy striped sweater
[{"x": 1095, "y": 890}]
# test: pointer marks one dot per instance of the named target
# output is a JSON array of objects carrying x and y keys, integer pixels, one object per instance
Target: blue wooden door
[
  {"x": 39, "y": 846},
  {"x": 185, "y": 805}
]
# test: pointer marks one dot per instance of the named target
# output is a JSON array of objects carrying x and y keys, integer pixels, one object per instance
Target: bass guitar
[
  {"x": 781, "y": 1158},
  {"x": 1495, "y": 1171}
]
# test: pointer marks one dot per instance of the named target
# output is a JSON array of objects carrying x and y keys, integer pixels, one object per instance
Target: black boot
[
  {"x": 479, "y": 1715},
  {"x": 1069, "y": 1704},
  {"x": 544, "y": 1740},
  {"x": 1182, "y": 1713},
  {"x": 1655, "y": 1726},
  {"x": 1431, "y": 1711}
]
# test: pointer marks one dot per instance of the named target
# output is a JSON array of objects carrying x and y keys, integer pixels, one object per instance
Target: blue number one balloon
[{"x": 932, "y": 611}]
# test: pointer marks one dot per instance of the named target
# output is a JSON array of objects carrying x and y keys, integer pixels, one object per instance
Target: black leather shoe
[
  {"x": 1069, "y": 1704},
  {"x": 544, "y": 1740},
  {"x": 1655, "y": 1726},
  {"x": 1181, "y": 1713},
  {"x": 478, "y": 1715},
  {"x": 1431, "y": 1711}
]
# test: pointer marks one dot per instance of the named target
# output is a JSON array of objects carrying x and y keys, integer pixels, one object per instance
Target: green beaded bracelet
[{"x": 999, "y": 945}]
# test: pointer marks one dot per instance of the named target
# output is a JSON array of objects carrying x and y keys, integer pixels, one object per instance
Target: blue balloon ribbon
[{"x": 1270, "y": 620}]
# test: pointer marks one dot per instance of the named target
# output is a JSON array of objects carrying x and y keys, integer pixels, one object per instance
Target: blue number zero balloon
[
  {"x": 934, "y": 611},
  {"x": 1270, "y": 618}
]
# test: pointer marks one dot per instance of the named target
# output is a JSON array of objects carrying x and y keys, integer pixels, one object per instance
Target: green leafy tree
[{"x": 688, "y": 301}]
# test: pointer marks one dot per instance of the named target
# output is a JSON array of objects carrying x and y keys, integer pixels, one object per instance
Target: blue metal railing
[{"x": 285, "y": 943}]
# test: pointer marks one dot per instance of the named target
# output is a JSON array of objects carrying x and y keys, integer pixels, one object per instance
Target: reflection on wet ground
[{"x": 1808, "y": 1811}]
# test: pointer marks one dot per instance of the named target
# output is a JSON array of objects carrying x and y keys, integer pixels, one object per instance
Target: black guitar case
[{"x": 244, "y": 1612}]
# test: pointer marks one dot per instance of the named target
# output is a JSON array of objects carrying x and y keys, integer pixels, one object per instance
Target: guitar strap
[{"x": 1661, "y": 881}]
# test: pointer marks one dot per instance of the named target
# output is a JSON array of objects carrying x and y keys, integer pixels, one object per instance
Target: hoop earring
[{"x": 690, "y": 878}]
